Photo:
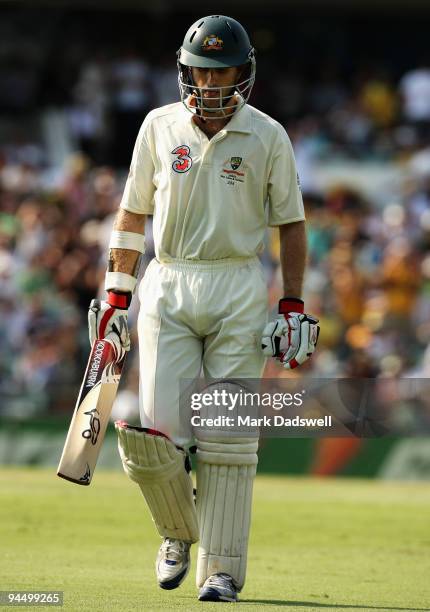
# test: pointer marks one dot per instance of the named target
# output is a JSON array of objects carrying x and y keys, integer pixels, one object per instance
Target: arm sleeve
[
  {"x": 139, "y": 188},
  {"x": 284, "y": 195}
]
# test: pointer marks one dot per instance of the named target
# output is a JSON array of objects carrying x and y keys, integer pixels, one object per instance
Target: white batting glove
[
  {"x": 108, "y": 319},
  {"x": 293, "y": 336}
]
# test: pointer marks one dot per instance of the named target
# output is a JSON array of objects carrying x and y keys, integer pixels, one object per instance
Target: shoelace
[
  {"x": 173, "y": 549},
  {"x": 222, "y": 581}
]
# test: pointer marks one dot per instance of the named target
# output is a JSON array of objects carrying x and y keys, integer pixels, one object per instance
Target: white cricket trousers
[{"x": 196, "y": 315}]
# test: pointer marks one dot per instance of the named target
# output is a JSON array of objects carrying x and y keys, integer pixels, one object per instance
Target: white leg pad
[
  {"x": 158, "y": 467},
  {"x": 225, "y": 476}
]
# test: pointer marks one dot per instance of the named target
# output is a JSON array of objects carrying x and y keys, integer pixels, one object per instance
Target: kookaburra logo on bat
[
  {"x": 92, "y": 433},
  {"x": 95, "y": 365}
]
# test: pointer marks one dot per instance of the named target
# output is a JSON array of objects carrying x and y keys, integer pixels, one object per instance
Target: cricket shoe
[
  {"x": 219, "y": 587},
  {"x": 173, "y": 563}
]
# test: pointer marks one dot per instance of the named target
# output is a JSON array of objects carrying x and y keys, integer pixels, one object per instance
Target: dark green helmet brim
[{"x": 197, "y": 61}]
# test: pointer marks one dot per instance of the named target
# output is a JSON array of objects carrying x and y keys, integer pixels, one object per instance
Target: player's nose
[{"x": 212, "y": 79}]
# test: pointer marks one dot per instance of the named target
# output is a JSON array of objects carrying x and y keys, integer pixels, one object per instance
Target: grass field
[{"x": 315, "y": 545}]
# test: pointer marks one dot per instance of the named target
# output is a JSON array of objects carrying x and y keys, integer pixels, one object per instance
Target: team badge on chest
[
  {"x": 230, "y": 171},
  {"x": 183, "y": 161}
]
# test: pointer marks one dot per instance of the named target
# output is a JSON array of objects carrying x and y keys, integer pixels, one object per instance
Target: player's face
[{"x": 220, "y": 79}]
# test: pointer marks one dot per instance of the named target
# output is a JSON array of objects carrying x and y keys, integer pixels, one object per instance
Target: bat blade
[{"x": 91, "y": 415}]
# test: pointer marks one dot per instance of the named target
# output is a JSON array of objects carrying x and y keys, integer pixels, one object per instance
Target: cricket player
[{"x": 214, "y": 172}]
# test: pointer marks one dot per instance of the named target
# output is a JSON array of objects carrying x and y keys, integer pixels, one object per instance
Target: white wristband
[
  {"x": 127, "y": 240},
  {"x": 120, "y": 281}
]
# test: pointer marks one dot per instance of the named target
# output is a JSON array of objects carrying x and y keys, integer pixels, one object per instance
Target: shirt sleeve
[
  {"x": 139, "y": 189},
  {"x": 285, "y": 202}
]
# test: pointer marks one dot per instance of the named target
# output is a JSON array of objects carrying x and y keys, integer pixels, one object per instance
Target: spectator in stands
[
  {"x": 414, "y": 89},
  {"x": 132, "y": 98},
  {"x": 88, "y": 114}
]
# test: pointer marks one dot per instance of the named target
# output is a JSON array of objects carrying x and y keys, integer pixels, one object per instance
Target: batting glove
[
  {"x": 292, "y": 337},
  {"x": 108, "y": 319}
]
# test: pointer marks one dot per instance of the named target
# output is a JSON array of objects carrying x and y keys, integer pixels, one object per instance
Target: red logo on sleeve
[{"x": 183, "y": 161}]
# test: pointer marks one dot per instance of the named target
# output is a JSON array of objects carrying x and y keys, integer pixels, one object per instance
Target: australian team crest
[
  {"x": 235, "y": 162},
  {"x": 212, "y": 43}
]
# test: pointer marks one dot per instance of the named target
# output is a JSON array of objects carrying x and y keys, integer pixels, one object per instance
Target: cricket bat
[{"x": 91, "y": 415}]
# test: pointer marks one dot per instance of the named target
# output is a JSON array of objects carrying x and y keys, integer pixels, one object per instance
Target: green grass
[{"x": 320, "y": 545}]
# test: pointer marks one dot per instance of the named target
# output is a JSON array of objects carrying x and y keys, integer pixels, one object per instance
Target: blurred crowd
[
  {"x": 368, "y": 278},
  {"x": 374, "y": 114}
]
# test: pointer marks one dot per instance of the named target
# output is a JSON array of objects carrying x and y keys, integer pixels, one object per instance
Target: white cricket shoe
[
  {"x": 219, "y": 587},
  {"x": 173, "y": 563}
]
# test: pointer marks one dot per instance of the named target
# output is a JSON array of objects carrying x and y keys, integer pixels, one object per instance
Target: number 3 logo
[{"x": 183, "y": 162}]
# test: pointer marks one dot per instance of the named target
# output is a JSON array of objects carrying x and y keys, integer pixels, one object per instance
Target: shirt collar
[{"x": 241, "y": 121}]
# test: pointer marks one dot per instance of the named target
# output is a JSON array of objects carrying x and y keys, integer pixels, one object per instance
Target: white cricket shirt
[{"x": 212, "y": 199}]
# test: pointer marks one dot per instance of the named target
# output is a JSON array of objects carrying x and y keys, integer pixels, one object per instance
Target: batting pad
[
  {"x": 225, "y": 475},
  {"x": 158, "y": 467}
]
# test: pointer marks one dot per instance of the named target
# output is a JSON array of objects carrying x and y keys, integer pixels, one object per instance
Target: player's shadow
[{"x": 331, "y": 606}]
